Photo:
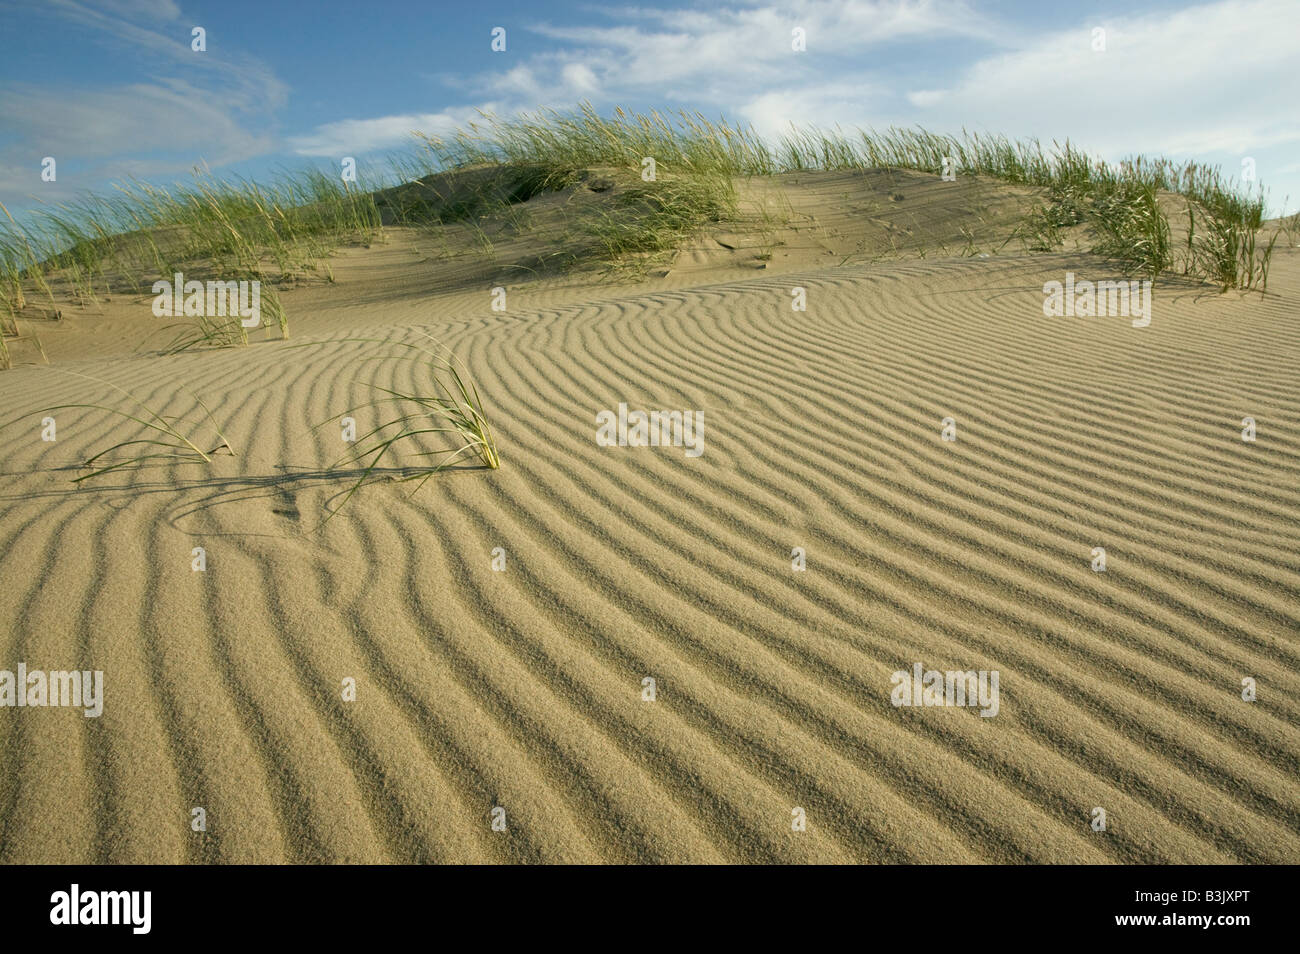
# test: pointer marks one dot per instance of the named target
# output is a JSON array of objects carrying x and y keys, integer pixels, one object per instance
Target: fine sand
[{"x": 523, "y": 688}]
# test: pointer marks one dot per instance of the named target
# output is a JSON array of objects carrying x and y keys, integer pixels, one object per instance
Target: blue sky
[{"x": 112, "y": 89}]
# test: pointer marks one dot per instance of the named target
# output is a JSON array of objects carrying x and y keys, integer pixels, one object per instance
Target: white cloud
[
  {"x": 154, "y": 9},
  {"x": 210, "y": 106},
  {"x": 580, "y": 78},
  {"x": 825, "y": 105},
  {"x": 710, "y": 59},
  {"x": 140, "y": 118},
  {"x": 715, "y": 56},
  {"x": 1215, "y": 79},
  {"x": 926, "y": 97},
  {"x": 1218, "y": 77},
  {"x": 751, "y": 41},
  {"x": 352, "y": 137}
]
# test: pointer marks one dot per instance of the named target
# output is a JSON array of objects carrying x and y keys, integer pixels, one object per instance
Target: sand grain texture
[{"x": 522, "y": 688}]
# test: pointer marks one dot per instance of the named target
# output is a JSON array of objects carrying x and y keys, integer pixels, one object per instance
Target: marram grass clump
[
  {"x": 443, "y": 401},
  {"x": 164, "y": 437}
]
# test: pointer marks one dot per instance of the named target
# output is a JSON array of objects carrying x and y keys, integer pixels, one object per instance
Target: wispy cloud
[
  {"x": 353, "y": 137},
  {"x": 716, "y": 55},
  {"x": 735, "y": 59},
  {"x": 207, "y": 105},
  {"x": 1216, "y": 78},
  {"x": 1213, "y": 80}
]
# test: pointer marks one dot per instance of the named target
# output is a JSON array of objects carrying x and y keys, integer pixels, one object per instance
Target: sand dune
[{"x": 523, "y": 688}]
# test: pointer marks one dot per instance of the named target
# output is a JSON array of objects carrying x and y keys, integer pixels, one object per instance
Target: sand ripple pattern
[{"x": 522, "y": 688}]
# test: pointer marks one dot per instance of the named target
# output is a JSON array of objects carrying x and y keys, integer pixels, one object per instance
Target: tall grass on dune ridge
[
  {"x": 207, "y": 228},
  {"x": 689, "y": 143},
  {"x": 1133, "y": 230},
  {"x": 684, "y": 142},
  {"x": 696, "y": 162},
  {"x": 234, "y": 228},
  {"x": 1119, "y": 201}
]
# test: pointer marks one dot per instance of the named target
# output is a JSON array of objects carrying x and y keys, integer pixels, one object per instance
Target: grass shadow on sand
[{"x": 212, "y": 492}]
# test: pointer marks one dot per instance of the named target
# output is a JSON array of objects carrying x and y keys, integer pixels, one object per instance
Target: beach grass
[
  {"x": 222, "y": 228},
  {"x": 167, "y": 437},
  {"x": 447, "y": 403}
]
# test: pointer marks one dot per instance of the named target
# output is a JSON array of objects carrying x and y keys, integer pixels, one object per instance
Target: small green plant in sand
[
  {"x": 225, "y": 330},
  {"x": 447, "y": 403},
  {"x": 168, "y": 437},
  {"x": 206, "y": 332},
  {"x": 9, "y": 332}
]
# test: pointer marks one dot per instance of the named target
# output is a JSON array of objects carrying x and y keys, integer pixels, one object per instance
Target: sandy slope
[{"x": 522, "y": 688}]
